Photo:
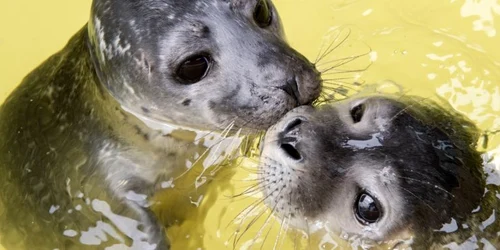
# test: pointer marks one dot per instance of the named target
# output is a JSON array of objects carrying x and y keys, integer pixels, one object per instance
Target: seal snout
[{"x": 288, "y": 138}]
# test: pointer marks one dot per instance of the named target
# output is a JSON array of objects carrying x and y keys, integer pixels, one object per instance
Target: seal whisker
[
  {"x": 268, "y": 220},
  {"x": 252, "y": 190},
  {"x": 251, "y": 180},
  {"x": 429, "y": 184},
  {"x": 216, "y": 145},
  {"x": 263, "y": 226},
  {"x": 267, "y": 159},
  {"x": 212, "y": 132},
  {"x": 245, "y": 212},
  {"x": 416, "y": 196},
  {"x": 320, "y": 51},
  {"x": 249, "y": 209},
  {"x": 340, "y": 61},
  {"x": 331, "y": 48},
  {"x": 250, "y": 171},
  {"x": 337, "y": 80},
  {"x": 295, "y": 240},
  {"x": 254, "y": 220},
  {"x": 255, "y": 182},
  {"x": 422, "y": 173},
  {"x": 341, "y": 87},
  {"x": 327, "y": 98},
  {"x": 345, "y": 70},
  {"x": 233, "y": 142},
  {"x": 259, "y": 209},
  {"x": 249, "y": 225},
  {"x": 337, "y": 83},
  {"x": 338, "y": 88},
  {"x": 348, "y": 58},
  {"x": 407, "y": 107},
  {"x": 285, "y": 221},
  {"x": 339, "y": 64},
  {"x": 259, "y": 202}
]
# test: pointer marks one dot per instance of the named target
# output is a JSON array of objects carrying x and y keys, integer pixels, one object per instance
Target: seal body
[
  {"x": 380, "y": 168},
  {"x": 83, "y": 144}
]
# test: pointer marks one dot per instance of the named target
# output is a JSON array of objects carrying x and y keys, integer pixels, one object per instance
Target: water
[
  {"x": 444, "y": 49},
  {"x": 432, "y": 48}
]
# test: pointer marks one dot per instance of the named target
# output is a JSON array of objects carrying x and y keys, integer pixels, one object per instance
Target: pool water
[{"x": 433, "y": 48}]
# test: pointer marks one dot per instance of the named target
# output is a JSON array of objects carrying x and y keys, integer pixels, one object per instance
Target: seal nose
[
  {"x": 292, "y": 89},
  {"x": 288, "y": 139}
]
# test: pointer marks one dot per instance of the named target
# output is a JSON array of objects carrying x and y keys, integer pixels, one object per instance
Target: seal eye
[
  {"x": 194, "y": 68},
  {"x": 367, "y": 209},
  {"x": 262, "y": 14},
  {"x": 357, "y": 113}
]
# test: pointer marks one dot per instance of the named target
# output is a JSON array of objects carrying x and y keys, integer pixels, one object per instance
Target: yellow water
[{"x": 449, "y": 48}]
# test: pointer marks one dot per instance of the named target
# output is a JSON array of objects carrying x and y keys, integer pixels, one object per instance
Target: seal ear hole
[
  {"x": 367, "y": 209},
  {"x": 262, "y": 14},
  {"x": 194, "y": 68},
  {"x": 291, "y": 151},
  {"x": 357, "y": 112}
]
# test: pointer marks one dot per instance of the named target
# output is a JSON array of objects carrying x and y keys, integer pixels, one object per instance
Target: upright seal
[
  {"x": 380, "y": 168},
  {"x": 83, "y": 141}
]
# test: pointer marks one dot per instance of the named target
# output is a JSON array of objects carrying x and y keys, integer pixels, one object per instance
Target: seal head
[
  {"x": 203, "y": 64},
  {"x": 377, "y": 167}
]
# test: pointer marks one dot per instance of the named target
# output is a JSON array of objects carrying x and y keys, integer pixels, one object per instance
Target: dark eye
[
  {"x": 357, "y": 113},
  {"x": 194, "y": 68},
  {"x": 262, "y": 14},
  {"x": 367, "y": 209}
]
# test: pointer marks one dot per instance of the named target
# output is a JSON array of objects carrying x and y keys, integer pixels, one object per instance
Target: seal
[
  {"x": 99, "y": 127},
  {"x": 379, "y": 168}
]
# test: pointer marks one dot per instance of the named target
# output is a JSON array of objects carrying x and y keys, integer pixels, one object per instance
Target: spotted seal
[
  {"x": 91, "y": 133},
  {"x": 381, "y": 168}
]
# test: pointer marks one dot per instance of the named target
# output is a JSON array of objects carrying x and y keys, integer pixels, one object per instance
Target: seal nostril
[
  {"x": 291, "y": 151},
  {"x": 290, "y": 126},
  {"x": 288, "y": 138},
  {"x": 291, "y": 88}
]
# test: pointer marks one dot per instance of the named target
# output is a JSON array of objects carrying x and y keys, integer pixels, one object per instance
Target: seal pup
[
  {"x": 380, "y": 168},
  {"x": 98, "y": 128}
]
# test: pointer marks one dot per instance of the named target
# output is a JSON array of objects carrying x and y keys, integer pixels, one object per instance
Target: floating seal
[
  {"x": 93, "y": 132},
  {"x": 380, "y": 168}
]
